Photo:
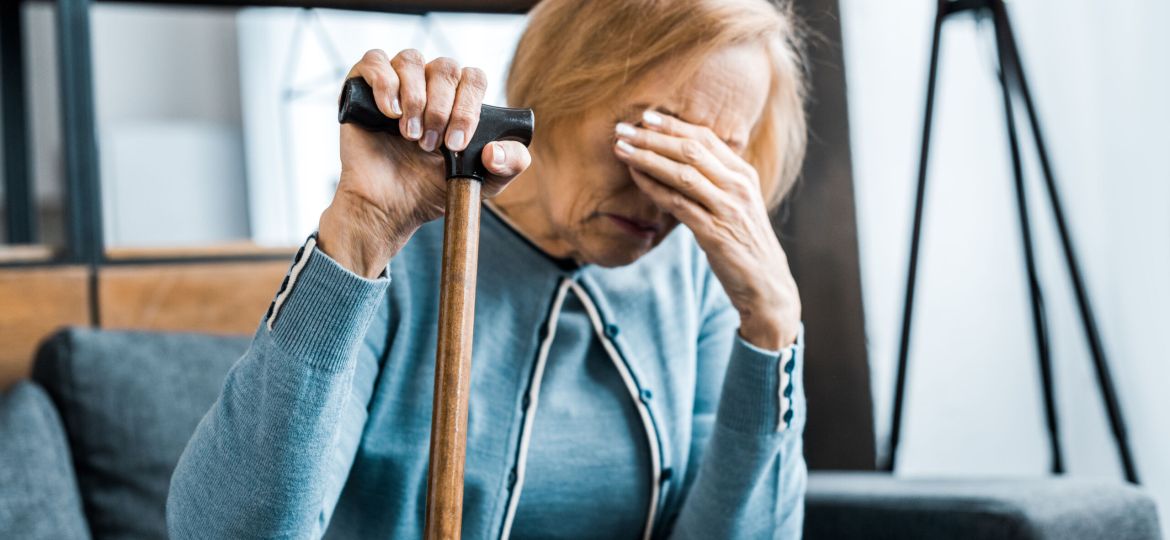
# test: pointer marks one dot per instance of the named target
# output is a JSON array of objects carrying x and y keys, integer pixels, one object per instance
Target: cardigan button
[
  {"x": 647, "y": 395},
  {"x": 611, "y": 331},
  {"x": 525, "y": 402},
  {"x": 512, "y": 477}
]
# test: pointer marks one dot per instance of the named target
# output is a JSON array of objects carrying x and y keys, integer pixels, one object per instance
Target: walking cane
[{"x": 465, "y": 171}]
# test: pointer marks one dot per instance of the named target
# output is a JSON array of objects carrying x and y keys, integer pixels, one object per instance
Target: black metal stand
[
  {"x": 1012, "y": 80},
  {"x": 20, "y": 215}
]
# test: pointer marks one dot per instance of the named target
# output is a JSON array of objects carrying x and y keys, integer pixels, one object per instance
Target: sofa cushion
[
  {"x": 129, "y": 402},
  {"x": 876, "y": 506},
  {"x": 38, "y": 491}
]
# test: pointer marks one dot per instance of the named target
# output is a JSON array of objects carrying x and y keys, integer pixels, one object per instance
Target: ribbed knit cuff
[
  {"x": 325, "y": 311},
  {"x": 760, "y": 388}
]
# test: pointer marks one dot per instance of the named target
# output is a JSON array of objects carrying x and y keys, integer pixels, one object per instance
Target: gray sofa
[{"x": 88, "y": 445}]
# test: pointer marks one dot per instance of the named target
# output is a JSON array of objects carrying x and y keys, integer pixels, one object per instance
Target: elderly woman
[{"x": 631, "y": 378}]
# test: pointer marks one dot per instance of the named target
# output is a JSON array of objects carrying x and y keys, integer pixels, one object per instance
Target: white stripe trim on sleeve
[
  {"x": 293, "y": 274},
  {"x": 785, "y": 380}
]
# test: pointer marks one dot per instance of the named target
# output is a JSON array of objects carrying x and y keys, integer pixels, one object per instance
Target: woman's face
[{"x": 591, "y": 206}]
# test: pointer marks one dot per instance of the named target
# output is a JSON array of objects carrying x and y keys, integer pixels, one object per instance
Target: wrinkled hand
[
  {"x": 691, "y": 173},
  {"x": 392, "y": 183}
]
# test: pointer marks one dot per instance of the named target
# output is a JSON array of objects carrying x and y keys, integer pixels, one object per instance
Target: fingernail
[
  {"x": 455, "y": 139},
  {"x": 652, "y": 118},
  {"x": 414, "y": 128},
  {"x": 429, "y": 141},
  {"x": 625, "y": 147},
  {"x": 624, "y": 129},
  {"x": 396, "y": 107},
  {"x": 499, "y": 156}
]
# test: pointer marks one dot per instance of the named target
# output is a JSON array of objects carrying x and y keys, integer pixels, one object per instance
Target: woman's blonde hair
[{"x": 578, "y": 54}]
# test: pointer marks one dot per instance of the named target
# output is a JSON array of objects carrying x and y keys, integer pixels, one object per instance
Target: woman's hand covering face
[{"x": 695, "y": 176}]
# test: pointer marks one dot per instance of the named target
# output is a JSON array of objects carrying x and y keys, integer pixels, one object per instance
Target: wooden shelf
[
  {"x": 39, "y": 255},
  {"x": 193, "y": 297},
  {"x": 206, "y": 297},
  {"x": 243, "y": 249},
  {"x": 27, "y": 254},
  {"x": 35, "y": 302}
]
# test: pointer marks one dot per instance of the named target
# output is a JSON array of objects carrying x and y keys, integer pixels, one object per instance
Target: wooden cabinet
[
  {"x": 33, "y": 303},
  {"x": 227, "y": 295}
]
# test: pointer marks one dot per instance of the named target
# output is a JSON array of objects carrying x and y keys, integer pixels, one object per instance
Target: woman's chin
[{"x": 610, "y": 251}]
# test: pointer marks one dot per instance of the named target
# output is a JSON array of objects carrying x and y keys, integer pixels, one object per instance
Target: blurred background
[{"x": 216, "y": 150}]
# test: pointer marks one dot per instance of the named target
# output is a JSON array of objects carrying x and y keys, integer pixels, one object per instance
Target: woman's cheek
[{"x": 604, "y": 174}]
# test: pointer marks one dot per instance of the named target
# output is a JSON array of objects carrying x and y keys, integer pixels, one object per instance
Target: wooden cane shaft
[{"x": 444, "y": 517}]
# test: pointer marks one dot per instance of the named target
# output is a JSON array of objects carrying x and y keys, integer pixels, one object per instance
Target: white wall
[
  {"x": 1100, "y": 80},
  {"x": 166, "y": 84},
  {"x": 166, "y": 92},
  {"x": 44, "y": 122}
]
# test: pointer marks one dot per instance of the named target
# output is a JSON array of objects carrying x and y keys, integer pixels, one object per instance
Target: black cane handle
[{"x": 357, "y": 106}]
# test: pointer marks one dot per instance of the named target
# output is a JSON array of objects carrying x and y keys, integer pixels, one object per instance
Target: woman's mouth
[{"x": 643, "y": 229}]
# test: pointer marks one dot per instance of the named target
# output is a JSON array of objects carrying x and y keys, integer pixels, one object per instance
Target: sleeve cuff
[
  {"x": 323, "y": 310},
  {"x": 761, "y": 387}
]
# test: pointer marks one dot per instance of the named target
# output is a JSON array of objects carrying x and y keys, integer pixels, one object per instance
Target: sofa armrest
[
  {"x": 876, "y": 506},
  {"x": 38, "y": 489}
]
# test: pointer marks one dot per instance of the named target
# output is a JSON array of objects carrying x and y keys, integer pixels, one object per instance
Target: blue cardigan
[{"x": 323, "y": 426}]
